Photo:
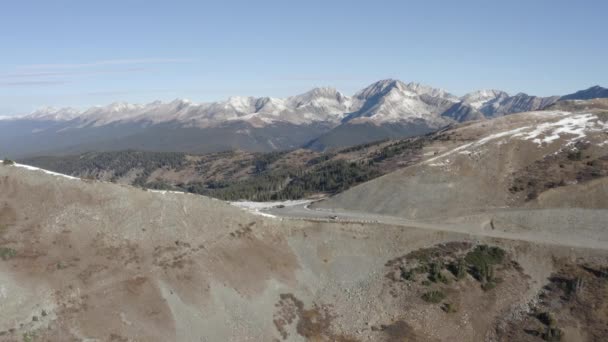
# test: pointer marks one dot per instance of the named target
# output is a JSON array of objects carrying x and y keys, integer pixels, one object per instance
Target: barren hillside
[
  {"x": 543, "y": 159},
  {"x": 100, "y": 261}
]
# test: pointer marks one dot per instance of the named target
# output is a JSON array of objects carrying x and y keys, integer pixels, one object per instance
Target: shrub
[
  {"x": 574, "y": 286},
  {"x": 458, "y": 268},
  {"x": 7, "y": 253},
  {"x": 449, "y": 308},
  {"x": 491, "y": 255},
  {"x": 434, "y": 296},
  {"x": 488, "y": 286},
  {"x": 575, "y": 155},
  {"x": 29, "y": 336},
  {"x": 435, "y": 274},
  {"x": 552, "y": 334},
  {"x": 8, "y": 162},
  {"x": 546, "y": 318},
  {"x": 423, "y": 268},
  {"x": 407, "y": 274},
  {"x": 481, "y": 261}
]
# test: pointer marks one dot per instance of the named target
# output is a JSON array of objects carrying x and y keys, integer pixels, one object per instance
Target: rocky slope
[
  {"x": 98, "y": 261},
  {"x": 527, "y": 159}
]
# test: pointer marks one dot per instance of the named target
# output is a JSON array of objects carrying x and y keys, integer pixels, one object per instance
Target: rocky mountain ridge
[{"x": 322, "y": 118}]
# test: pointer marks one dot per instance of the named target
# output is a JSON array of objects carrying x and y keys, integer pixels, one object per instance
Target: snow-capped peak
[
  {"x": 239, "y": 103},
  {"x": 388, "y": 100},
  {"x": 318, "y": 96},
  {"x": 122, "y": 106},
  {"x": 479, "y": 98},
  {"x": 422, "y": 89},
  {"x": 412, "y": 89},
  {"x": 380, "y": 88},
  {"x": 53, "y": 114}
]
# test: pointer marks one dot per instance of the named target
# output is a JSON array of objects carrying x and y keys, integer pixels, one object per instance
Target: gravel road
[{"x": 586, "y": 228}]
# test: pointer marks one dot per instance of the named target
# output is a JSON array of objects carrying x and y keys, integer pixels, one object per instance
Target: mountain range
[{"x": 320, "y": 119}]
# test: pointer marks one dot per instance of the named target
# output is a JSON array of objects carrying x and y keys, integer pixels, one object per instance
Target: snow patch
[
  {"x": 576, "y": 125},
  {"x": 32, "y": 168},
  {"x": 477, "y": 143},
  {"x": 250, "y": 205},
  {"x": 164, "y": 192},
  {"x": 257, "y": 207}
]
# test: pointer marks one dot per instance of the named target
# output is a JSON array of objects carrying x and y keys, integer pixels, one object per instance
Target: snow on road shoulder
[
  {"x": 257, "y": 207},
  {"x": 267, "y": 205},
  {"x": 32, "y": 168}
]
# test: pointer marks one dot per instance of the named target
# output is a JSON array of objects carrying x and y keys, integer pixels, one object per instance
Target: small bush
[
  {"x": 574, "y": 286},
  {"x": 484, "y": 253},
  {"x": 552, "y": 334},
  {"x": 29, "y": 336},
  {"x": 435, "y": 274},
  {"x": 488, "y": 286},
  {"x": 449, "y": 308},
  {"x": 7, "y": 253},
  {"x": 546, "y": 318},
  {"x": 434, "y": 296},
  {"x": 575, "y": 155},
  {"x": 407, "y": 274},
  {"x": 424, "y": 268},
  {"x": 481, "y": 261},
  {"x": 458, "y": 268},
  {"x": 8, "y": 162}
]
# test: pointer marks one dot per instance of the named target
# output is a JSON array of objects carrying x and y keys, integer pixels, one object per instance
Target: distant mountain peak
[
  {"x": 386, "y": 108},
  {"x": 423, "y": 89},
  {"x": 485, "y": 93},
  {"x": 122, "y": 106},
  {"x": 320, "y": 92},
  {"x": 480, "y": 98},
  {"x": 178, "y": 100},
  {"x": 384, "y": 101},
  {"x": 53, "y": 114},
  {"x": 587, "y": 94},
  {"x": 380, "y": 88}
]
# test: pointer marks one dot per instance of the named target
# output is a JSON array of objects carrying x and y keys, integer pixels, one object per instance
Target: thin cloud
[
  {"x": 31, "y": 83},
  {"x": 45, "y": 74},
  {"x": 108, "y": 93},
  {"x": 62, "y": 73},
  {"x": 123, "y": 92},
  {"x": 109, "y": 62},
  {"x": 317, "y": 78}
]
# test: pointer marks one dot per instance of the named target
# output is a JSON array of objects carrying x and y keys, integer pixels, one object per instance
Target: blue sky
[{"x": 82, "y": 53}]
